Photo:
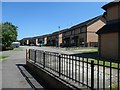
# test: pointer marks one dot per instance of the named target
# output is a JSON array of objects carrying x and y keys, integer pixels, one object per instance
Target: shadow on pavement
[{"x": 34, "y": 81}]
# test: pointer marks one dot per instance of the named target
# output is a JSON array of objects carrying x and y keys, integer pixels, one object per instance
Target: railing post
[
  {"x": 92, "y": 75},
  {"x": 35, "y": 56},
  {"x": 29, "y": 54},
  {"x": 26, "y": 54},
  {"x": 59, "y": 65},
  {"x": 43, "y": 59}
]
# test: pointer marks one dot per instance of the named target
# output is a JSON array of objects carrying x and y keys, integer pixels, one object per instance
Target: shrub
[{"x": 8, "y": 48}]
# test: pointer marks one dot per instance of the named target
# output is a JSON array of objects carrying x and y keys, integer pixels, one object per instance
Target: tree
[{"x": 9, "y": 34}]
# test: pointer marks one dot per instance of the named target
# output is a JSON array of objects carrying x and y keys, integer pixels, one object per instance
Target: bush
[{"x": 8, "y": 48}]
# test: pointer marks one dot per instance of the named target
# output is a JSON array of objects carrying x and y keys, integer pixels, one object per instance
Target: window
[
  {"x": 82, "y": 29},
  {"x": 72, "y": 41},
  {"x": 72, "y": 32},
  {"x": 81, "y": 40}
]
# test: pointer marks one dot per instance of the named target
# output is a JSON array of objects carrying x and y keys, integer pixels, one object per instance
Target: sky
[{"x": 40, "y": 18}]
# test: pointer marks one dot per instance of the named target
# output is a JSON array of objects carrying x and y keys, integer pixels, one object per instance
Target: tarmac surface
[
  {"x": 11, "y": 70},
  {"x": 11, "y": 76}
]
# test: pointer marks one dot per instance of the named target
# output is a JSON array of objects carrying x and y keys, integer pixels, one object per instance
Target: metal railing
[{"x": 84, "y": 71}]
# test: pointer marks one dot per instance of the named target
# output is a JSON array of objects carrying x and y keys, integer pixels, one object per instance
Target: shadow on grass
[
  {"x": 92, "y": 55},
  {"x": 95, "y": 56}
]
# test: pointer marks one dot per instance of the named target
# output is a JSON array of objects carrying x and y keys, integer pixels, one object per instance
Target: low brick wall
[{"x": 51, "y": 80}]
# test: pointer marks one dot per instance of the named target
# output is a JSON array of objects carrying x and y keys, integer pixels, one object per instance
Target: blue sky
[{"x": 40, "y": 18}]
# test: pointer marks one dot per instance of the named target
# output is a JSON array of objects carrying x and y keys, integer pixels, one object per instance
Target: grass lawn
[
  {"x": 18, "y": 49},
  {"x": 115, "y": 85},
  {"x": 88, "y": 50},
  {"x": 3, "y": 57},
  {"x": 101, "y": 62},
  {"x": 113, "y": 64}
]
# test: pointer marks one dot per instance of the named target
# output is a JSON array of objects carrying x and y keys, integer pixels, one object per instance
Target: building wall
[
  {"x": 113, "y": 13},
  {"x": 45, "y": 40},
  {"x": 60, "y": 39},
  {"x": 86, "y": 34},
  {"x": 119, "y": 45},
  {"x": 27, "y": 42},
  {"x": 36, "y": 41},
  {"x": 92, "y": 37},
  {"x": 82, "y": 39},
  {"x": 49, "y": 39},
  {"x": 77, "y": 31},
  {"x": 66, "y": 38},
  {"x": 109, "y": 45},
  {"x": 68, "y": 33}
]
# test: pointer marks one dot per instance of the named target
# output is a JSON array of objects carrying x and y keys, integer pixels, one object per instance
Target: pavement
[{"x": 11, "y": 74}]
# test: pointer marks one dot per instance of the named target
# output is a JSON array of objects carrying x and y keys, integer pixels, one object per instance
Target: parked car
[
  {"x": 16, "y": 44},
  {"x": 37, "y": 44}
]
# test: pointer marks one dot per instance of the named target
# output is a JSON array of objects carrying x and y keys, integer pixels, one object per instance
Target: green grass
[
  {"x": 115, "y": 85},
  {"x": 89, "y": 50},
  {"x": 18, "y": 49},
  {"x": 3, "y": 57},
  {"x": 107, "y": 63},
  {"x": 113, "y": 64}
]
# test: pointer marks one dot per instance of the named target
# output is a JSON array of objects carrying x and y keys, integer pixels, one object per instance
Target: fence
[{"x": 92, "y": 74}]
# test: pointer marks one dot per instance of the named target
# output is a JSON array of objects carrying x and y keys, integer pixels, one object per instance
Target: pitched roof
[
  {"x": 88, "y": 22},
  {"x": 27, "y": 38},
  {"x": 41, "y": 36},
  {"x": 61, "y": 31},
  {"x": 109, "y": 28},
  {"x": 116, "y": 2}
]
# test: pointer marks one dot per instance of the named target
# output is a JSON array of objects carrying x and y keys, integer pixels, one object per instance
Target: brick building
[
  {"x": 109, "y": 35},
  {"x": 84, "y": 34}
]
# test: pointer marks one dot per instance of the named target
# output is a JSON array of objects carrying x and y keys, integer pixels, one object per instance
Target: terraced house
[
  {"x": 84, "y": 34},
  {"x": 56, "y": 38},
  {"x": 52, "y": 39},
  {"x": 25, "y": 41},
  {"x": 109, "y": 35},
  {"x": 40, "y": 39}
]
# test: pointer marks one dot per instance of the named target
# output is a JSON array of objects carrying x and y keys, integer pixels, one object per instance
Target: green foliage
[
  {"x": 9, "y": 34},
  {"x": 2, "y": 57}
]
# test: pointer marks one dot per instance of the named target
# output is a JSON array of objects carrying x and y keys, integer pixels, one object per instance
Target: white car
[
  {"x": 37, "y": 44},
  {"x": 16, "y": 44}
]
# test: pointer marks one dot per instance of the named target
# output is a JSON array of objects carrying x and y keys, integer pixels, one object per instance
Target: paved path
[{"x": 11, "y": 75}]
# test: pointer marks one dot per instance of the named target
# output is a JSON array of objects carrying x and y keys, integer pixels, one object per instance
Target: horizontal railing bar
[{"x": 70, "y": 66}]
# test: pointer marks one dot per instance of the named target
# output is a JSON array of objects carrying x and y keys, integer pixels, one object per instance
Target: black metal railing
[{"x": 93, "y": 74}]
